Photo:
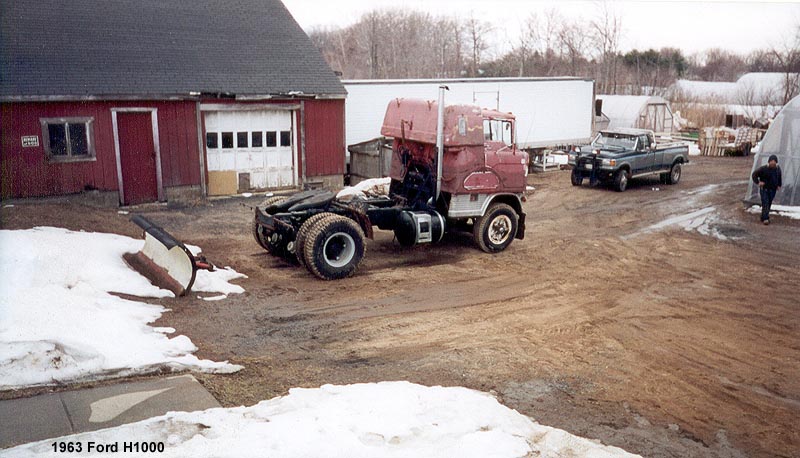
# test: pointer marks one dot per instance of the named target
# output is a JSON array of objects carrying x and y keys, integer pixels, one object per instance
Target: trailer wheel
[
  {"x": 260, "y": 233},
  {"x": 334, "y": 247},
  {"x": 495, "y": 230},
  {"x": 576, "y": 178},
  {"x": 621, "y": 180},
  {"x": 674, "y": 174},
  {"x": 302, "y": 235}
]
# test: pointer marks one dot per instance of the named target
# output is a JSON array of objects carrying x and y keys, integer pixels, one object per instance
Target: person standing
[{"x": 768, "y": 179}]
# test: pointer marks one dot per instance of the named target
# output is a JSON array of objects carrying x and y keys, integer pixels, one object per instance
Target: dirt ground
[{"x": 665, "y": 342}]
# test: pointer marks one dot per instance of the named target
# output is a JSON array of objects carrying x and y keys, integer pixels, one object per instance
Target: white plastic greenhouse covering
[{"x": 783, "y": 140}]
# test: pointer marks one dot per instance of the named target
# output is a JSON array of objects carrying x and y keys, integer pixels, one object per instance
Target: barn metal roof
[{"x": 116, "y": 49}]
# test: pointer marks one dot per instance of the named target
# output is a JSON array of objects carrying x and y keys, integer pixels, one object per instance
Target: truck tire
[
  {"x": 495, "y": 230},
  {"x": 621, "y": 180},
  {"x": 302, "y": 233},
  {"x": 334, "y": 248},
  {"x": 576, "y": 178},
  {"x": 259, "y": 233},
  {"x": 674, "y": 174}
]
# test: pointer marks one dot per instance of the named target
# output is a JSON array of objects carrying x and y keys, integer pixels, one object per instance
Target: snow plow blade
[{"x": 165, "y": 261}]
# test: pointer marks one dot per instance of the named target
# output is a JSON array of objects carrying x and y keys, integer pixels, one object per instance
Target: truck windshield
[
  {"x": 497, "y": 131},
  {"x": 610, "y": 139}
]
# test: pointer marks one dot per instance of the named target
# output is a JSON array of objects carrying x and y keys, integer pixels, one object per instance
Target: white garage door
[{"x": 254, "y": 143}]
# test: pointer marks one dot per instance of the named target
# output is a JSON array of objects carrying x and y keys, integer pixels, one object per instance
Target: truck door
[
  {"x": 648, "y": 154},
  {"x": 640, "y": 162}
]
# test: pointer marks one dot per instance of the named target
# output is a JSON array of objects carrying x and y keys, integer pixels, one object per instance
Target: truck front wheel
[
  {"x": 576, "y": 178},
  {"x": 495, "y": 230},
  {"x": 621, "y": 180},
  {"x": 333, "y": 248}
]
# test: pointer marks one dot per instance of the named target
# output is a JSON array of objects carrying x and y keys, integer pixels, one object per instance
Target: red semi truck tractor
[{"x": 453, "y": 168}]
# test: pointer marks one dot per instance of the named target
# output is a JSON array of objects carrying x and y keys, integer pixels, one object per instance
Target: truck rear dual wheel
[
  {"x": 496, "y": 229},
  {"x": 302, "y": 235},
  {"x": 333, "y": 247},
  {"x": 261, "y": 235}
]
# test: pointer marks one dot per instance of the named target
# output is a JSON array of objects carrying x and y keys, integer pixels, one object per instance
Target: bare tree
[
  {"x": 573, "y": 44},
  {"x": 478, "y": 37},
  {"x": 607, "y": 31},
  {"x": 787, "y": 56}
]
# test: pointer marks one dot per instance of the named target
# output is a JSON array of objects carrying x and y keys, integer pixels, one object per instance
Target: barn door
[
  {"x": 138, "y": 167},
  {"x": 250, "y": 150}
]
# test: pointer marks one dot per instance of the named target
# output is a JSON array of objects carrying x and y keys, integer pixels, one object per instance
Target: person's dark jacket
[{"x": 770, "y": 176}]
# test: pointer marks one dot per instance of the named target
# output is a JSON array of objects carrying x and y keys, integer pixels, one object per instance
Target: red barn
[{"x": 152, "y": 101}]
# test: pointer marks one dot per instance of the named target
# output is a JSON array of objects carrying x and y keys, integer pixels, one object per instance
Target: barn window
[
  {"x": 68, "y": 139},
  {"x": 241, "y": 139},
  {"x": 227, "y": 140},
  {"x": 257, "y": 139},
  {"x": 272, "y": 139},
  {"x": 212, "y": 140},
  {"x": 286, "y": 138}
]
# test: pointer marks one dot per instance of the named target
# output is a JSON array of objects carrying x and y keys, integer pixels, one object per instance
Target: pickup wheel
[
  {"x": 674, "y": 174},
  {"x": 260, "y": 233},
  {"x": 302, "y": 235},
  {"x": 495, "y": 230},
  {"x": 621, "y": 180},
  {"x": 576, "y": 177},
  {"x": 334, "y": 247}
]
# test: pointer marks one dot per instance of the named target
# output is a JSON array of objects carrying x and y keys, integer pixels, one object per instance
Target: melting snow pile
[
  {"x": 702, "y": 221},
  {"x": 59, "y": 322},
  {"x": 387, "y": 419},
  {"x": 373, "y": 187},
  {"x": 780, "y": 210}
]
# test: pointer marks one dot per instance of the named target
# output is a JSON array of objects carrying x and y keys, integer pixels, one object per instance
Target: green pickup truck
[{"x": 616, "y": 156}]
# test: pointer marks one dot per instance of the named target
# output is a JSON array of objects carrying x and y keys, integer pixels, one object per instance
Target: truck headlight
[{"x": 609, "y": 162}]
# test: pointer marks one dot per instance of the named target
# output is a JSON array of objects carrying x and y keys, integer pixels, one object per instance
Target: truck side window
[
  {"x": 487, "y": 130},
  {"x": 497, "y": 131},
  {"x": 643, "y": 144}
]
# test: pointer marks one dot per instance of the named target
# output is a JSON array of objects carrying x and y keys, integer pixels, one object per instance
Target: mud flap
[{"x": 165, "y": 261}]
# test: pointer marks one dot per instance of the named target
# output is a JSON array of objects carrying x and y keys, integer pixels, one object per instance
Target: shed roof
[
  {"x": 624, "y": 110},
  {"x": 119, "y": 48}
]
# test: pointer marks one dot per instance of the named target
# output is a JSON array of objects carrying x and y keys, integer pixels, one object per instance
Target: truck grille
[{"x": 587, "y": 163}]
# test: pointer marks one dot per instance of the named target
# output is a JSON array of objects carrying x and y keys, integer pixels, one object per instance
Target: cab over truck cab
[
  {"x": 616, "y": 156},
  {"x": 464, "y": 173}
]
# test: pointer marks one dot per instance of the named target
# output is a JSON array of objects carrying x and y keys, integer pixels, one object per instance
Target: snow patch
[
  {"x": 60, "y": 322},
  {"x": 373, "y": 187},
  {"x": 373, "y": 420},
  {"x": 780, "y": 210},
  {"x": 694, "y": 150},
  {"x": 703, "y": 221}
]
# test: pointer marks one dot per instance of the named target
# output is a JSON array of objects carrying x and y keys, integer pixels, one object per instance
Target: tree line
[{"x": 403, "y": 44}]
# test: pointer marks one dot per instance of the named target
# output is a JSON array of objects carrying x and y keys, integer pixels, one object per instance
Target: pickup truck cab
[{"x": 616, "y": 156}]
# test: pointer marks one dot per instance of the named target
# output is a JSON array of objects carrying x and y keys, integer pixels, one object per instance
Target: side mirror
[{"x": 652, "y": 145}]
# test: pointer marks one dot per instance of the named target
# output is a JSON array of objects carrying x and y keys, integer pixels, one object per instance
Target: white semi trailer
[{"x": 549, "y": 111}]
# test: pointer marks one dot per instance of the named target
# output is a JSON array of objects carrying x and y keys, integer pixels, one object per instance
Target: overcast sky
[{"x": 692, "y": 26}]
